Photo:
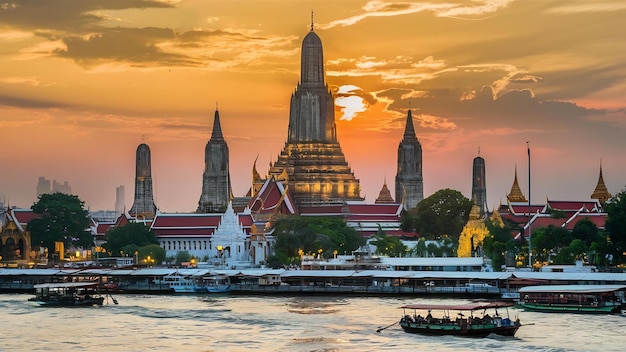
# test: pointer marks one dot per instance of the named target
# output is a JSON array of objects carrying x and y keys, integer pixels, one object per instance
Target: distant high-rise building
[
  {"x": 479, "y": 185},
  {"x": 216, "y": 188},
  {"x": 61, "y": 187},
  {"x": 312, "y": 164},
  {"x": 43, "y": 186},
  {"x": 120, "y": 205},
  {"x": 143, "y": 205},
  {"x": 409, "y": 181}
]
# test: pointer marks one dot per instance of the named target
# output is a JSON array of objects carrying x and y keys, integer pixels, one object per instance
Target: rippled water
[{"x": 258, "y": 323}]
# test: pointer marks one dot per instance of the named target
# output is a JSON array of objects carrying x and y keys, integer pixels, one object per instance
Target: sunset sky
[{"x": 84, "y": 82}]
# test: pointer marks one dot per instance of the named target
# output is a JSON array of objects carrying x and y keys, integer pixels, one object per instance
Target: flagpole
[{"x": 530, "y": 253}]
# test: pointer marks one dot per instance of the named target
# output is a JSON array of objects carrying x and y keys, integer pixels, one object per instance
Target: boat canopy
[
  {"x": 65, "y": 284},
  {"x": 466, "y": 307},
  {"x": 572, "y": 288}
]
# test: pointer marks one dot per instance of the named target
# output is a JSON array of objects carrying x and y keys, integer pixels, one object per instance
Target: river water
[{"x": 277, "y": 323}]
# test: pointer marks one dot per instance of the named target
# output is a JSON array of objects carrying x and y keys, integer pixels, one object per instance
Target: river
[{"x": 276, "y": 323}]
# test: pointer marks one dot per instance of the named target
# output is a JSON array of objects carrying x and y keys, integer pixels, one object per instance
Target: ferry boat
[
  {"x": 182, "y": 284},
  {"x": 217, "y": 284},
  {"x": 68, "y": 294},
  {"x": 597, "y": 299},
  {"x": 465, "y": 323}
]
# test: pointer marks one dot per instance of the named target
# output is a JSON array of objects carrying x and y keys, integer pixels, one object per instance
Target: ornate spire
[
  {"x": 311, "y": 20},
  {"x": 409, "y": 130},
  {"x": 601, "y": 193},
  {"x": 385, "y": 195},
  {"x": 516, "y": 194},
  {"x": 255, "y": 174},
  {"x": 217, "y": 127}
]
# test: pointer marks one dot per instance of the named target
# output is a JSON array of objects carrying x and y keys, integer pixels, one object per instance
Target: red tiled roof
[
  {"x": 23, "y": 216},
  {"x": 186, "y": 220},
  {"x": 103, "y": 228},
  {"x": 545, "y": 221},
  {"x": 590, "y": 205},
  {"x": 598, "y": 219},
  {"x": 176, "y": 232}
]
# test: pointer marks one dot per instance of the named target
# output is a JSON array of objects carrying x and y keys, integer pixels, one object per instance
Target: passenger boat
[
  {"x": 217, "y": 284},
  {"x": 182, "y": 284},
  {"x": 68, "y": 294},
  {"x": 597, "y": 299},
  {"x": 465, "y": 323}
]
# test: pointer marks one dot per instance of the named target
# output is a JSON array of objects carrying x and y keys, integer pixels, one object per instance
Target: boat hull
[
  {"x": 454, "y": 329},
  {"x": 556, "y": 308},
  {"x": 71, "y": 302}
]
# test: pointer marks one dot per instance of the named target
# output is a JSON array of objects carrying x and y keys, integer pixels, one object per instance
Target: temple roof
[
  {"x": 384, "y": 196},
  {"x": 601, "y": 193},
  {"x": 516, "y": 194}
]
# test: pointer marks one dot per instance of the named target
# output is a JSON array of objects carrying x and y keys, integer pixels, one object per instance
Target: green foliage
[
  {"x": 499, "y": 242},
  {"x": 127, "y": 239},
  {"x": 388, "y": 245},
  {"x": 586, "y": 231},
  {"x": 443, "y": 213},
  {"x": 153, "y": 251},
  {"x": 182, "y": 256},
  {"x": 62, "y": 219},
  {"x": 420, "y": 248},
  {"x": 616, "y": 223},
  {"x": 310, "y": 234}
]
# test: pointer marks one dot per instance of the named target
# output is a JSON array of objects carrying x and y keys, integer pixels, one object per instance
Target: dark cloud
[
  {"x": 137, "y": 46},
  {"x": 66, "y": 15},
  {"x": 7, "y": 100}
]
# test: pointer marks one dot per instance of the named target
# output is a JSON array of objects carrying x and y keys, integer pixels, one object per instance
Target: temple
[
  {"x": 516, "y": 194},
  {"x": 409, "y": 181},
  {"x": 479, "y": 185},
  {"x": 312, "y": 164},
  {"x": 216, "y": 188},
  {"x": 601, "y": 193},
  {"x": 143, "y": 205}
]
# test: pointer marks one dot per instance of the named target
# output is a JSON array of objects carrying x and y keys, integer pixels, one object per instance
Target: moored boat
[
  {"x": 182, "y": 283},
  {"x": 465, "y": 323},
  {"x": 592, "y": 299},
  {"x": 68, "y": 294}
]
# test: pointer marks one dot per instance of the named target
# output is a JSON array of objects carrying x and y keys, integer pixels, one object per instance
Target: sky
[{"x": 83, "y": 83}]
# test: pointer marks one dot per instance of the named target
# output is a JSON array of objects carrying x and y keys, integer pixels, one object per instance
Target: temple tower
[
  {"x": 143, "y": 205},
  {"x": 479, "y": 185},
  {"x": 216, "y": 188},
  {"x": 601, "y": 193},
  {"x": 409, "y": 181},
  {"x": 312, "y": 163},
  {"x": 516, "y": 194}
]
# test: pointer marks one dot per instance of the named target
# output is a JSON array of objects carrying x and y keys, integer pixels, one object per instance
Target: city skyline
[{"x": 83, "y": 84}]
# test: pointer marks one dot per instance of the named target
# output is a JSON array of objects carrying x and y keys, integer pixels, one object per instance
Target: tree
[
  {"x": 62, "y": 218},
  {"x": 127, "y": 239},
  {"x": 182, "y": 256},
  {"x": 151, "y": 252},
  {"x": 388, "y": 245},
  {"x": 443, "y": 213},
  {"x": 586, "y": 231},
  {"x": 616, "y": 223},
  {"x": 310, "y": 234}
]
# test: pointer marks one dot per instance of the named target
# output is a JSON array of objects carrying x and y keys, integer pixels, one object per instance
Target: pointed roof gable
[
  {"x": 601, "y": 193},
  {"x": 384, "y": 196},
  {"x": 516, "y": 194}
]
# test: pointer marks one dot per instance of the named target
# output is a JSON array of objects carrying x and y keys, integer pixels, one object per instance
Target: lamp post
[{"x": 530, "y": 252}]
